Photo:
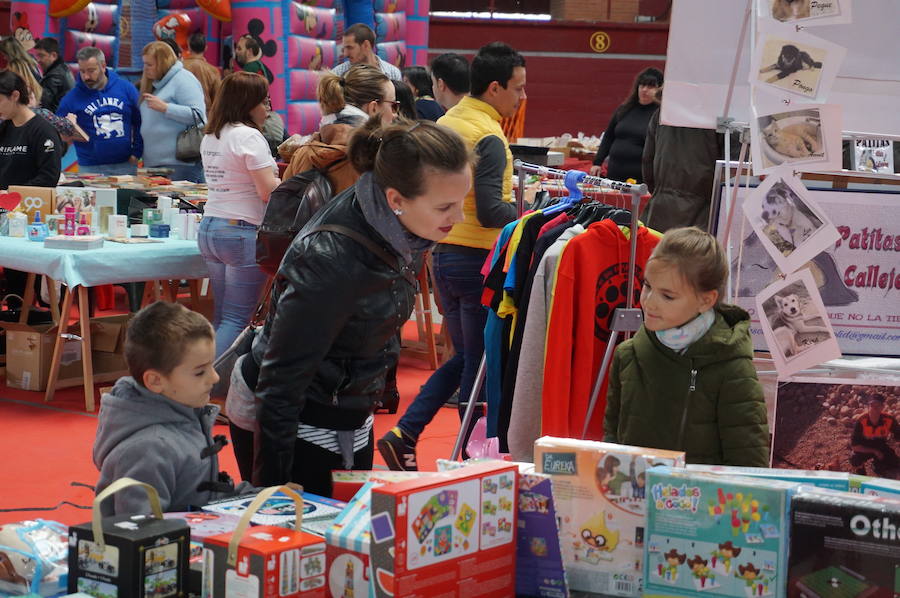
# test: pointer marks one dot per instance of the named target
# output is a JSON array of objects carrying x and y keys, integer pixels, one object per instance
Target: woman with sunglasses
[
  {"x": 346, "y": 102},
  {"x": 241, "y": 173}
]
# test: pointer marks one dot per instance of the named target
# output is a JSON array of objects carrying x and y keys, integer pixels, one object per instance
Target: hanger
[{"x": 573, "y": 177}]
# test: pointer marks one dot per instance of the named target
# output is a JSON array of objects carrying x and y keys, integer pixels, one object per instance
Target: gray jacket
[{"x": 153, "y": 439}]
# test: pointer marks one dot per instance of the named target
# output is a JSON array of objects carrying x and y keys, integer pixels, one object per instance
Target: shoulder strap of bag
[{"x": 369, "y": 244}]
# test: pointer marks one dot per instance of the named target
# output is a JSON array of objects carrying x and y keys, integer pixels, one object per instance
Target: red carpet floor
[{"x": 45, "y": 447}]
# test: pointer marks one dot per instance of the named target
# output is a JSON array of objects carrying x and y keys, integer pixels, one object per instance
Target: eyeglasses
[{"x": 395, "y": 105}]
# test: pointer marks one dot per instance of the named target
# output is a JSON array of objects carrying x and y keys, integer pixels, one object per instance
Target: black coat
[
  {"x": 56, "y": 83},
  {"x": 331, "y": 334}
]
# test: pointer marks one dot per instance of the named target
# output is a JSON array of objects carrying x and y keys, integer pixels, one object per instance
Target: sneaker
[{"x": 398, "y": 450}]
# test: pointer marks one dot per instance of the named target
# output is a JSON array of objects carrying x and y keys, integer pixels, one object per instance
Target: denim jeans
[
  {"x": 458, "y": 279},
  {"x": 230, "y": 254},
  {"x": 108, "y": 169},
  {"x": 186, "y": 172}
]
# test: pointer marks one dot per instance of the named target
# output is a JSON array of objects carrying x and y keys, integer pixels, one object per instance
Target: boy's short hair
[
  {"x": 494, "y": 62},
  {"x": 159, "y": 335},
  {"x": 453, "y": 70}
]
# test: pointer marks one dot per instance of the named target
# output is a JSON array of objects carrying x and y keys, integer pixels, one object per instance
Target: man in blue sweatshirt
[{"x": 106, "y": 107}]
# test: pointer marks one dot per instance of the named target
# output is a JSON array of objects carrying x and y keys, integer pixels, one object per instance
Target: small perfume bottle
[
  {"x": 69, "y": 222},
  {"x": 83, "y": 228}
]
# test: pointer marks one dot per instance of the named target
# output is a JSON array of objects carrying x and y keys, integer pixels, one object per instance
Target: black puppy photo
[{"x": 790, "y": 60}]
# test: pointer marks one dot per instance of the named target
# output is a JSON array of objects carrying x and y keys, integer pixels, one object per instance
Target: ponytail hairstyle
[
  {"x": 360, "y": 85},
  {"x": 399, "y": 155},
  {"x": 698, "y": 256}
]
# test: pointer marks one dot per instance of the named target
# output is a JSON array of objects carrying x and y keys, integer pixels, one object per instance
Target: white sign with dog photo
[
  {"x": 797, "y": 65},
  {"x": 807, "y": 139},
  {"x": 795, "y": 324},
  {"x": 804, "y": 12},
  {"x": 789, "y": 223}
]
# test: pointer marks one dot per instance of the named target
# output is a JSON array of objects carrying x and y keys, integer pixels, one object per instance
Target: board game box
[
  {"x": 279, "y": 510},
  {"x": 715, "y": 534},
  {"x": 833, "y": 480},
  {"x": 875, "y": 486},
  {"x": 600, "y": 492},
  {"x": 451, "y": 534},
  {"x": 844, "y": 545}
]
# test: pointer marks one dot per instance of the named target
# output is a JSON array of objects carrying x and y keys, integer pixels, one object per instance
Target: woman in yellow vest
[{"x": 497, "y": 88}]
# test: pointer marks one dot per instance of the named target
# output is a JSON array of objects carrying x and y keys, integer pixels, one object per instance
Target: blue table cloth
[{"x": 173, "y": 259}]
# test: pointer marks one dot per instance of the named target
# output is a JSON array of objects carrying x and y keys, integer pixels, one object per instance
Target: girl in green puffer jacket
[{"x": 686, "y": 380}]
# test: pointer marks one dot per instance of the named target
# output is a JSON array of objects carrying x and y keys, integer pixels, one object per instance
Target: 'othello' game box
[{"x": 844, "y": 546}]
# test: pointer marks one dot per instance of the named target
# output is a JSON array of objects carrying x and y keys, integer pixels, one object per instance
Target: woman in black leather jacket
[{"x": 342, "y": 294}]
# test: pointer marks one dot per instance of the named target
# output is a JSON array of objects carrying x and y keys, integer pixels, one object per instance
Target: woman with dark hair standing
[
  {"x": 419, "y": 80},
  {"x": 344, "y": 289},
  {"x": 623, "y": 140}
]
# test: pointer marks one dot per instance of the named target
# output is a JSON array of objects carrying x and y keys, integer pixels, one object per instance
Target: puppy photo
[
  {"x": 795, "y": 323},
  {"x": 787, "y": 220},
  {"x": 790, "y": 10},
  {"x": 791, "y": 65}
]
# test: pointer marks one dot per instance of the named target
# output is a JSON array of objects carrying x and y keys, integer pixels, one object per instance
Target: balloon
[
  {"x": 175, "y": 26},
  {"x": 217, "y": 9}
]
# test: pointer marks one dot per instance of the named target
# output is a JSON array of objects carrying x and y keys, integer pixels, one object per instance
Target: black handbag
[{"x": 187, "y": 146}]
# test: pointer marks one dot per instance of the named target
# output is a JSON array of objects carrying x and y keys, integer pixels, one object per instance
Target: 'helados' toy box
[
  {"x": 599, "y": 490},
  {"x": 716, "y": 535},
  {"x": 844, "y": 545}
]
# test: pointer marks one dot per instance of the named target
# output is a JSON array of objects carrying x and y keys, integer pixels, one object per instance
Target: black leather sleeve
[{"x": 318, "y": 297}]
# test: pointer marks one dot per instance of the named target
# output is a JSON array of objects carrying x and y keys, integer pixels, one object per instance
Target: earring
[{"x": 398, "y": 211}]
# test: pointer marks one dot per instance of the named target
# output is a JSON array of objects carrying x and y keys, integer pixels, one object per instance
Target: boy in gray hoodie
[{"x": 156, "y": 425}]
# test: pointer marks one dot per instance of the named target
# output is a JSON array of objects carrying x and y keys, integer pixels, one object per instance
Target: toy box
[
  {"x": 715, "y": 534},
  {"x": 875, "y": 486},
  {"x": 35, "y": 199},
  {"x": 348, "y": 539},
  {"x": 318, "y": 511},
  {"x": 833, "y": 480},
  {"x": 202, "y": 524},
  {"x": 599, "y": 490},
  {"x": 539, "y": 567},
  {"x": 266, "y": 561},
  {"x": 843, "y": 546},
  {"x": 138, "y": 556},
  {"x": 452, "y": 534},
  {"x": 346, "y": 483}
]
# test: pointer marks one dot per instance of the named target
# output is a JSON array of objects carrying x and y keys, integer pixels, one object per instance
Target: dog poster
[
  {"x": 807, "y": 139},
  {"x": 790, "y": 225},
  {"x": 838, "y": 424},
  {"x": 795, "y": 65},
  {"x": 805, "y": 12},
  {"x": 795, "y": 324}
]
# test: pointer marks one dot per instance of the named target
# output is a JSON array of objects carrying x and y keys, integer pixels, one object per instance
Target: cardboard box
[
  {"x": 202, "y": 525},
  {"x": 539, "y": 566},
  {"x": 35, "y": 199},
  {"x": 345, "y": 484},
  {"x": 452, "y": 534},
  {"x": 265, "y": 561},
  {"x": 875, "y": 486},
  {"x": 600, "y": 494},
  {"x": 318, "y": 511},
  {"x": 133, "y": 556},
  {"x": 29, "y": 352},
  {"x": 715, "y": 534},
  {"x": 843, "y": 545},
  {"x": 833, "y": 480},
  {"x": 348, "y": 542}
]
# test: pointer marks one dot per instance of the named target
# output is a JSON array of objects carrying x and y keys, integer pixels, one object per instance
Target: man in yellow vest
[{"x": 497, "y": 88}]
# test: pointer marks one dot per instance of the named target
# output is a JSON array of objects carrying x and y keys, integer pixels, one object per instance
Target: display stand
[{"x": 625, "y": 320}]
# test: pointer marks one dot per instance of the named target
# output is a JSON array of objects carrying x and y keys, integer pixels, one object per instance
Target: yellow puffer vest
[{"x": 474, "y": 120}]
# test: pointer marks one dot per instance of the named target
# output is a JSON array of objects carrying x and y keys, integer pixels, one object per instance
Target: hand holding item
[
  {"x": 155, "y": 103},
  {"x": 596, "y": 170}
]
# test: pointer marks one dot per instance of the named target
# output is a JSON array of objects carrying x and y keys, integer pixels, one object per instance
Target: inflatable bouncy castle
[{"x": 298, "y": 38}]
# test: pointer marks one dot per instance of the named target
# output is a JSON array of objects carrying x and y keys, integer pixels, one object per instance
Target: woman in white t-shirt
[{"x": 240, "y": 173}]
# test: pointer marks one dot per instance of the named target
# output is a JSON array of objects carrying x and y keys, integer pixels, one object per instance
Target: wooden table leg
[
  {"x": 172, "y": 288},
  {"x": 58, "y": 346},
  {"x": 54, "y": 299},
  {"x": 28, "y": 299},
  {"x": 87, "y": 363}
]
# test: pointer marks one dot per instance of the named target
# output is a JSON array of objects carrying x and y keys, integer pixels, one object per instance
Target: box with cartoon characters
[
  {"x": 453, "y": 534},
  {"x": 717, "y": 535},
  {"x": 844, "y": 545},
  {"x": 599, "y": 490}
]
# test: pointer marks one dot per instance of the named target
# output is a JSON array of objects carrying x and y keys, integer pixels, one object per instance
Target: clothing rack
[{"x": 625, "y": 320}]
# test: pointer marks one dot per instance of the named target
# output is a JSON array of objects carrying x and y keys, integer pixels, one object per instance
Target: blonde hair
[
  {"x": 22, "y": 64},
  {"x": 359, "y": 85},
  {"x": 165, "y": 58},
  {"x": 697, "y": 255}
]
